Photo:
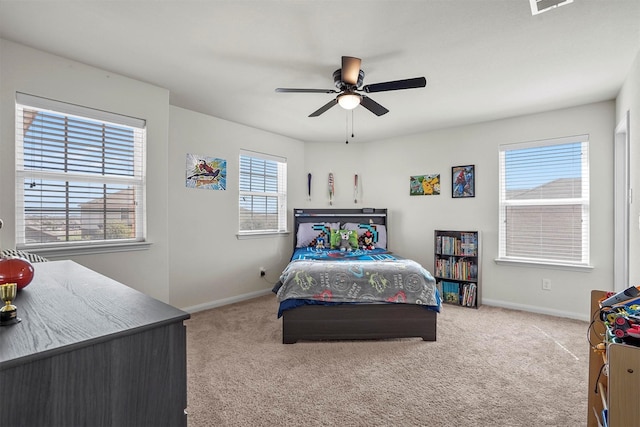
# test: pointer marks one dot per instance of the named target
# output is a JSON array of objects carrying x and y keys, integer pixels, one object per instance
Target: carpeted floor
[{"x": 488, "y": 367}]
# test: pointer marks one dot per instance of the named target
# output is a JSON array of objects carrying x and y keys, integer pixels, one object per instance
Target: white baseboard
[
  {"x": 490, "y": 302},
  {"x": 226, "y": 301},
  {"x": 535, "y": 309}
]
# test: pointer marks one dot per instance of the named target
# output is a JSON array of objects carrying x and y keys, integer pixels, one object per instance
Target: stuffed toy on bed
[
  {"x": 345, "y": 237},
  {"x": 367, "y": 240}
]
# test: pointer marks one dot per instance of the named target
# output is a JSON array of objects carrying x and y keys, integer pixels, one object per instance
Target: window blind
[
  {"x": 80, "y": 174},
  {"x": 263, "y": 193},
  {"x": 544, "y": 201}
]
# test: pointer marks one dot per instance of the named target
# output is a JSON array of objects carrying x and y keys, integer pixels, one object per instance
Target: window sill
[
  {"x": 542, "y": 264},
  {"x": 67, "y": 251},
  {"x": 261, "y": 234}
]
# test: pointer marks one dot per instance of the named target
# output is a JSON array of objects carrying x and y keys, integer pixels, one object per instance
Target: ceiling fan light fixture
[{"x": 349, "y": 100}]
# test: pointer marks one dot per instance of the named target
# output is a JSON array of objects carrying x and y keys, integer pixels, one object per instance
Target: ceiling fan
[{"x": 348, "y": 80}]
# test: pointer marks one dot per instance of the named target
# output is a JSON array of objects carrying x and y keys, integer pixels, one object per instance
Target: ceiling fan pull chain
[
  {"x": 346, "y": 128},
  {"x": 352, "y": 123}
]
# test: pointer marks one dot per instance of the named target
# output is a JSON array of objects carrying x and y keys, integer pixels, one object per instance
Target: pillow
[
  {"x": 336, "y": 238},
  {"x": 309, "y": 231},
  {"x": 380, "y": 242}
]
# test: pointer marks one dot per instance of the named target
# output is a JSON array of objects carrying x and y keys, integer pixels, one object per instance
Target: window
[
  {"x": 263, "y": 193},
  {"x": 544, "y": 202},
  {"x": 80, "y": 175}
]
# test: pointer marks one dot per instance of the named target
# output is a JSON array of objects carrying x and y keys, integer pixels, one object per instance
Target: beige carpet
[{"x": 489, "y": 367}]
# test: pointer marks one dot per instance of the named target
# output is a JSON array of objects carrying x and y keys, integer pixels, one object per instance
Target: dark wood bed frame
[{"x": 354, "y": 321}]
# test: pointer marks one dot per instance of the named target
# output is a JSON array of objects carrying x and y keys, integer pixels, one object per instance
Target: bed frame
[{"x": 354, "y": 321}]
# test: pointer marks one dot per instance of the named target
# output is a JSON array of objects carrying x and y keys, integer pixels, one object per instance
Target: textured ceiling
[{"x": 483, "y": 59}]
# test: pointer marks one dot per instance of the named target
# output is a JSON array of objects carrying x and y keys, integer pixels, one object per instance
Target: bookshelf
[
  {"x": 614, "y": 371},
  {"x": 457, "y": 266}
]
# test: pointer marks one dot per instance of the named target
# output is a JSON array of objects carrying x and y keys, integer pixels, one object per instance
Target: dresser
[{"x": 91, "y": 351}]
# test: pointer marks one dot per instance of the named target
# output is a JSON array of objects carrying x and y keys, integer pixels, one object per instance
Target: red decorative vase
[{"x": 16, "y": 270}]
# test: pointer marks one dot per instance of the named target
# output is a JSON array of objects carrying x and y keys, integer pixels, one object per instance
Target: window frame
[
  {"x": 583, "y": 201},
  {"x": 280, "y": 194},
  {"x": 136, "y": 179}
]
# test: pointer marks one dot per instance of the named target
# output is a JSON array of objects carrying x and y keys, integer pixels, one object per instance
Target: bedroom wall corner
[
  {"x": 208, "y": 265},
  {"x": 629, "y": 100}
]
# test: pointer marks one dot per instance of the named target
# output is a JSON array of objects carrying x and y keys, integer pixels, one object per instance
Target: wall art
[
  {"x": 424, "y": 185},
  {"x": 463, "y": 179},
  {"x": 207, "y": 173}
]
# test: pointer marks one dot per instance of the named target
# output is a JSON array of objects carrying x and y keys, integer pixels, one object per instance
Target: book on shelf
[
  {"x": 469, "y": 291},
  {"x": 456, "y": 268},
  {"x": 466, "y": 245},
  {"x": 458, "y": 293},
  {"x": 450, "y": 292},
  {"x": 469, "y": 245}
]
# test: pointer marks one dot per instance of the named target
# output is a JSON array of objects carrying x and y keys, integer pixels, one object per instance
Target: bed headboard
[{"x": 362, "y": 215}]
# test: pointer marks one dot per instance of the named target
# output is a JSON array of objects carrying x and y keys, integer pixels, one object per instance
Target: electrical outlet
[
  {"x": 263, "y": 272},
  {"x": 546, "y": 284}
]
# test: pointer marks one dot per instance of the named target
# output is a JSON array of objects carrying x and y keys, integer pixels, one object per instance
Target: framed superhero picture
[
  {"x": 206, "y": 173},
  {"x": 463, "y": 180}
]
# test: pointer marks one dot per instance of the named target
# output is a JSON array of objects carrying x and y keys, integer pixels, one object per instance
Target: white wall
[
  {"x": 385, "y": 168},
  {"x": 27, "y": 70},
  {"x": 208, "y": 264},
  {"x": 195, "y": 260},
  {"x": 629, "y": 100}
]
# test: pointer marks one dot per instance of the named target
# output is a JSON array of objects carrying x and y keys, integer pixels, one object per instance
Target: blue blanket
[{"x": 361, "y": 276}]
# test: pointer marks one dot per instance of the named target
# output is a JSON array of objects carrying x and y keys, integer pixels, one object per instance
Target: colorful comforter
[{"x": 370, "y": 276}]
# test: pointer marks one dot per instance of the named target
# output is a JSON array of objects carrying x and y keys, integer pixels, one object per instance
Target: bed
[{"x": 349, "y": 286}]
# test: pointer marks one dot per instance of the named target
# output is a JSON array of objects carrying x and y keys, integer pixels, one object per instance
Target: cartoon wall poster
[
  {"x": 463, "y": 179},
  {"x": 207, "y": 173},
  {"x": 424, "y": 185}
]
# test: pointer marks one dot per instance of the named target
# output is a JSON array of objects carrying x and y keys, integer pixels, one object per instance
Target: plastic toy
[{"x": 622, "y": 327}]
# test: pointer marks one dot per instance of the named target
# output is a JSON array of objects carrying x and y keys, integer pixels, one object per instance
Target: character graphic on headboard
[
  {"x": 369, "y": 237},
  {"x": 321, "y": 239}
]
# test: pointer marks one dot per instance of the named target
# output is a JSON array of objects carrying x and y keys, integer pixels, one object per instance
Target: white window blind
[
  {"x": 80, "y": 175},
  {"x": 263, "y": 193},
  {"x": 544, "y": 201}
]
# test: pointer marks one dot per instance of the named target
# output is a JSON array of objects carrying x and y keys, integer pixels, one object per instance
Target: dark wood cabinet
[{"x": 91, "y": 352}]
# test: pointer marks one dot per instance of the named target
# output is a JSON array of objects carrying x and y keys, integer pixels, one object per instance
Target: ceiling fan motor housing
[{"x": 337, "y": 80}]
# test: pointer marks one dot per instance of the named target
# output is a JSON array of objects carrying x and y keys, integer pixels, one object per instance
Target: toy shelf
[{"x": 619, "y": 384}]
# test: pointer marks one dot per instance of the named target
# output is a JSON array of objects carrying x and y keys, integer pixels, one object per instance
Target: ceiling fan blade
[
  {"x": 396, "y": 85},
  {"x": 324, "y": 108},
  {"x": 350, "y": 70},
  {"x": 293, "y": 90},
  {"x": 373, "y": 106}
]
